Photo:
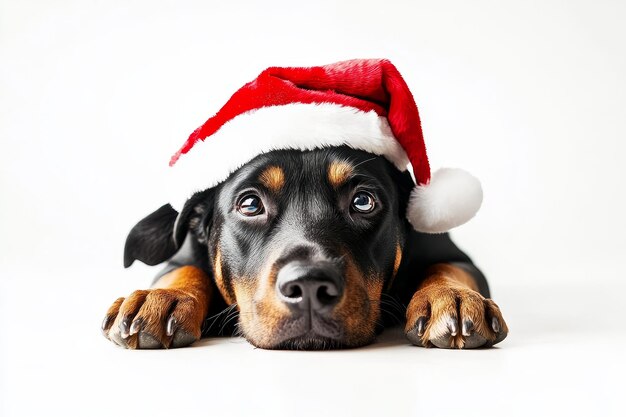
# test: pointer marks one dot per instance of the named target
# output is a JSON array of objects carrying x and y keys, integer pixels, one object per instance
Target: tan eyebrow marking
[
  {"x": 339, "y": 172},
  {"x": 273, "y": 178}
]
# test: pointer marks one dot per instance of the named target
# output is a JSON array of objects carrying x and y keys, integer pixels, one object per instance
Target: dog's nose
[{"x": 303, "y": 286}]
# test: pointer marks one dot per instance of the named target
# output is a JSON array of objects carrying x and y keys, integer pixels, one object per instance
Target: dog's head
[{"x": 302, "y": 242}]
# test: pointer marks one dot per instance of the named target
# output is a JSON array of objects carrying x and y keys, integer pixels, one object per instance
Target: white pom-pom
[{"x": 452, "y": 197}]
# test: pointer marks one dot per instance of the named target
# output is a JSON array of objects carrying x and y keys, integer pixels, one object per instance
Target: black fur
[{"x": 151, "y": 240}]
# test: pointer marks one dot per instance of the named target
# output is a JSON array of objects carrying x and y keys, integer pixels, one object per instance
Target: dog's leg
[
  {"x": 170, "y": 314},
  {"x": 447, "y": 311}
]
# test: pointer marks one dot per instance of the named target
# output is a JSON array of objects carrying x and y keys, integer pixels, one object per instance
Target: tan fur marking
[
  {"x": 396, "y": 265},
  {"x": 261, "y": 314},
  {"x": 219, "y": 277},
  {"x": 192, "y": 290},
  {"x": 273, "y": 178},
  {"x": 358, "y": 309},
  {"x": 339, "y": 172},
  {"x": 188, "y": 278},
  {"x": 398, "y": 260},
  {"x": 449, "y": 274}
]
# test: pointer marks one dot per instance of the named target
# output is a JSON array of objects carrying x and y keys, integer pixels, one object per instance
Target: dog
[{"x": 303, "y": 250}]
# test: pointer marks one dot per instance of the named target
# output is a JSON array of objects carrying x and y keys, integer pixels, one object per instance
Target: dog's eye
[
  {"x": 250, "y": 205},
  {"x": 363, "y": 202}
]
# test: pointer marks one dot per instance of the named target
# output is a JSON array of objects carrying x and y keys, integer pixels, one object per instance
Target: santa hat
[{"x": 364, "y": 104}]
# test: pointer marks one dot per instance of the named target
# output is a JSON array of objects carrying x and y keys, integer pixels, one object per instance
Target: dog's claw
[
  {"x": 105, "y": 324},
  {"x": 453, "y": 326},
  {"x": 171, "y": 326},
  {"x": 124, "y": 327},
  {"x": 495, "y": 324},
  {"x": 421, "y": 325},
  {"x": 135, "y": 326},
  {"x": 467, "y": 328}
]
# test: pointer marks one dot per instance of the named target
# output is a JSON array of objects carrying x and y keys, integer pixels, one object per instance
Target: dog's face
[{"x": 304, "y": 242}]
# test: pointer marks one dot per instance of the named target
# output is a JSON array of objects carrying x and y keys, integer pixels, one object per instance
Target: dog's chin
[
  {"x": 310, "y": 341},
  {"x": 302, "y": 333},
  {"x": 314, "y": 341}
]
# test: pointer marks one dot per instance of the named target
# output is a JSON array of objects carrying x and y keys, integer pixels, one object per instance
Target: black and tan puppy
[{"x": 307, "y": 250}]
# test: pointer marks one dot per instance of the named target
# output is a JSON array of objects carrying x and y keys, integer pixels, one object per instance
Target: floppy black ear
[
  {"x": 157, "y": 238},
  {"x": 151, "y": 241}
]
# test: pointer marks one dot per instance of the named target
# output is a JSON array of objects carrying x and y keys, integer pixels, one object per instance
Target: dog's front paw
[
  {"x": 153, "y": 319},
  {"x": 454, "y": 317}
]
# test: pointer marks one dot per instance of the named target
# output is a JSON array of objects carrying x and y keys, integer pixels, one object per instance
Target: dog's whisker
[
  {"x": 216, "y": 317},
  {"x": 223, "y": 326},
  {"x": 395, "y": 306},
  {"x": 238, "y": 331},
  {"x": 229, "y": 315},
  {"x": 230, "y": 307}
]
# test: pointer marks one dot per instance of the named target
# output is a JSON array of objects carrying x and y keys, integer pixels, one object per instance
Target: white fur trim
[
  {"x": 292, "y": 126},
  {"x": 452, "y": 197}
]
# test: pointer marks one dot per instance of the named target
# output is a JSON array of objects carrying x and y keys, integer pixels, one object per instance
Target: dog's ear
[
  {"x": 157, "y": 237},
  {"x": 404, "y": 185},
  {"x": 196, "y": 216},
  {"x": 150, "y": 241}
]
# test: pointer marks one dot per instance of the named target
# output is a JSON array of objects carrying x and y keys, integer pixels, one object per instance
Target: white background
[{"x": 530, "y": 96}]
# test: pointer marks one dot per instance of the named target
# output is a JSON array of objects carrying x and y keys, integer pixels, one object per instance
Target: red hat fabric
[{"x": 365, "y": 104}]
